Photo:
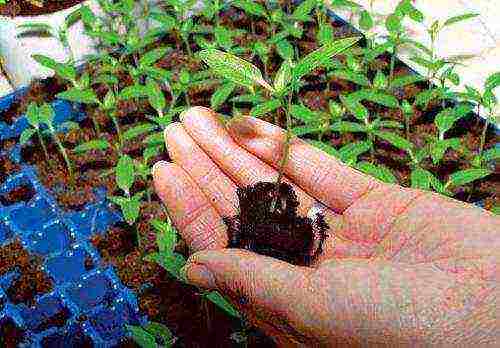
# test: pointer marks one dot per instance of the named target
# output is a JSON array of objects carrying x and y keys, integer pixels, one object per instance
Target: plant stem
[
  {"x": 186, "y": 99},
  {"x": 188, "y": 47},
  {"x": 63, "y": 151},
  {"x": 407, "y": 126},
  {"x": 393, "y": 60},
  {"x": 43, "y": 144},
  {"x": 483, "y": 137},
  {"x": 117, "y": 128}
]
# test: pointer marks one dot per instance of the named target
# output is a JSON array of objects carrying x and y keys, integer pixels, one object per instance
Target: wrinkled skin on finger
[{"x": 402, "y": 267}]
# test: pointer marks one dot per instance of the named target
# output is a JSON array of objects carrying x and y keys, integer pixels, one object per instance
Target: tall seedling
[{"x": 285, "y": 83}]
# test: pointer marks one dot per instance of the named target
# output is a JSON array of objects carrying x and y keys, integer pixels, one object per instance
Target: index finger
[{"x": 322, "y": 176}]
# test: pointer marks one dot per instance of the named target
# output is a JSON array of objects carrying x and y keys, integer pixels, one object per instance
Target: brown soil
[
  {"x": 10, "y": 334},
  {"x": 196, "y": 323},
  {"x": 22, "y": 193},
  {"x": 277, "y": 232},
  {"x": 15, "y": 8},
  {"x": 57, "y": 320},
  {"x": 32, "y": 281}
]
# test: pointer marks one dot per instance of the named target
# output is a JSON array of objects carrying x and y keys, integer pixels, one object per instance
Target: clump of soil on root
[{"x": 278, "y": 232}]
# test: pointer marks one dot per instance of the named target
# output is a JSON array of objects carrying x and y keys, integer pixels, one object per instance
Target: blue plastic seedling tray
[{"x": 93, "y": 299}]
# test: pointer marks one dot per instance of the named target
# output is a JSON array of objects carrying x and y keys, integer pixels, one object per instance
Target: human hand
[{"x": 401, "y": 267}]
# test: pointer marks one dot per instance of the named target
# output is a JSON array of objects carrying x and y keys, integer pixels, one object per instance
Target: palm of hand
[{"x": 400, "y": 264}]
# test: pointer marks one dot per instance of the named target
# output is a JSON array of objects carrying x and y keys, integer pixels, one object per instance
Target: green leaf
[
  {"x": 138, "y": 130},
  {"x": 439, "y": 147},
  {"x": 221, "y": 94},
  {"x": 375, "y": 96},
  {"x": 125, "y": 173},
  {"x": 325, "y": 147},
  {"x": 304, "y": 114},
  {"x": 134, "y": 91},
  {"x": 85, "y": 96},
  {"x": 26, "y": 135},
  {"x": 395, "y": 140},
  {"x": 161, "y": 332},
  {"x": 285, "y": 49},
  {"x": 32, "y": 114},
  {"x": 467, "y": 176},
  {"x": 352, "y": 76},
  {"x": 72, "y": 18},
  {"x": 155, "y": 96},
  {"x": 250, "y": 7},
  {"x": 420, "y": 179},
  {"x": 92, "y": 145},
  {"x": 65, "y": 71},
  {"x": 142, "y": 337},
  {"x": 496, "y": 209},
  {"x": 492, "y": 82},
  {"x": 321, "y": 56},
  {"x": 172, "y": 263},
  {"x": 354, "y": 107},
  {"x": 35, "y": 28},
  {"x": 325, "y": 34},
  {"x": 265, "y": 108},
  {"x": 461, "y": 18},
  {"x": 106, "y": 79},
  {"x": 390, "y": 124},
  {"x": 307, "y": 129},
  {"x": 152, "y": 56},
  {"x": 46, "y": 114},
  {"x": 344, "y": 126},
  {"x": 445, "y": 119},
  {"x": 351, "y": 151},
  {"x": 166, "y": 237},
  {"x": 222, "y": 303},
  {"x": 168, "y": 22},
  {"x": 365, "y": 20},
  {"x": 406, "y": 80},
  {"x": 393, "y": 23},
  {"x": 301, "y": 12},
  {"x": 233, "y": 68},
  {"x": 491, "y": 154},
  {"x": 283, "y": 77},
  {"x": 378, "y": 171},
  {"x": 130, "y": 206}
]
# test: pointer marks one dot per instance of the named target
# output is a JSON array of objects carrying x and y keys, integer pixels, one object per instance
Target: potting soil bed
[
  {"x": 14, "y": 8},
  {"x": 160, "y": 297}
]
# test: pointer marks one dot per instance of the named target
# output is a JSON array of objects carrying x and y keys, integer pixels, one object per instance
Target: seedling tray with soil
[{"x": 123, "y": 247}]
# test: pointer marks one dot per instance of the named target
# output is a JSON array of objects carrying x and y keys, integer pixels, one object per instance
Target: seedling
[
  {"x": 152, "y": 335},
  {"x": 43, "y": 115},
  {"x": 285, "y": 82}
]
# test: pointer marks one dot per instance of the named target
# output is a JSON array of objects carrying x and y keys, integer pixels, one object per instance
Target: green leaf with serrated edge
[
  {"x": 406, "y": 80},
  {"x": 304, "y": 114},
  {"x": 395, "y": 140},
  {"x": 467, "y": 176},
  {"x": 265, "y": 108},
  {"x": 106, "y": 79},
  {"x": 380, "y": 172},
  {"x": 461, "y": 18},
  {"x": 221, "y": 94},
  {"x": 420, "y": 179},
  {"x": 283, "y": 77},
  {"x": 352, "y": 76},
  {"x": 233, "y": 68},
  {"x": 353, "y": 150},
  {"x": 320, "y": 56},
  {"x": 325, "y": 147},
  {"x": 492, "y": 82},
  {"x": 155, "y": 139},
  {"x": 134, "y": 91},
  {"x": 345, "y": 126},
  {"x": 285, "y": 49},
  {"x": 138, "y": 130},
  {"x": 160, "y": 331},
  {"x": 172, "y": 263},
  {"x": 92, "y": 145},
  {"x": 142, "y": 337},
  {"x": 307, "y": 129},
  {"x": 149, "y": 58},
  {"x": 26, "y": 135},
  {"x": 158, "y": 74},
  {"x": 46, "y": 114},
  {"x": 166, "y": 237},
  {"x": 222, "y": 303},
  {"x": 365, "y": 20},
  {"x": 354, "y": 107},
  {"x": 125, "y": 173},
  {"x": 150, "y": 152},
  {"x": 85, "y": 96},
  {"x": 65, "y": 71}
]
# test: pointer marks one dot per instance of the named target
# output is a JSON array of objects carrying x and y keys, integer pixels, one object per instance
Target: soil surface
[
  {"x": 178, "y": 306},
  {"x": 10, "y": 334},
  {"x": 268, "y": 224},
  {"x": 15, "y": 8}
]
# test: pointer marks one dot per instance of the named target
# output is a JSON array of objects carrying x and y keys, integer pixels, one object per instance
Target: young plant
[
  {"x": 152, "y": 335},
  {"x": 43, "y": 115},
  {"x": 285, "y": 83}
]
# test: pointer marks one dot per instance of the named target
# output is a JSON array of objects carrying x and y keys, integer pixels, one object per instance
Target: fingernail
[
  {"x": 157, "y": 166},
  {"x": 198, "y": 275}
]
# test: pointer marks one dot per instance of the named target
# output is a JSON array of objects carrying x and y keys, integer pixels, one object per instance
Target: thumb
[{"x": 261, "y": 284}]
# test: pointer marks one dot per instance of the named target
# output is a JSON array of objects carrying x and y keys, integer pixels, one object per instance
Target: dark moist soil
[
  {"x": 10, "y": 334},
  {"x": 196, "y": 323},
  {"x": 22, "y": 193},
  {"x": 14, "y": 8},
  {"x": 277, "y": 232},
  {"x": 32, "y": 281}
]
